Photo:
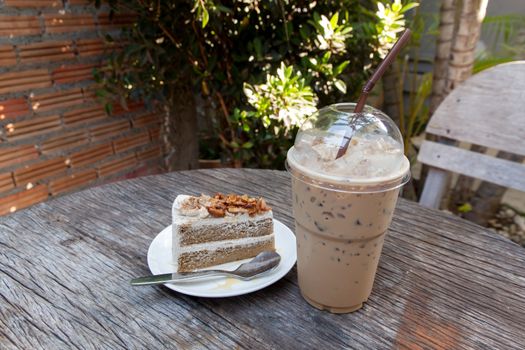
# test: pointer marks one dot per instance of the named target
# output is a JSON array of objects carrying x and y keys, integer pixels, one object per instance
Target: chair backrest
[{"x": 488, "y": 109}]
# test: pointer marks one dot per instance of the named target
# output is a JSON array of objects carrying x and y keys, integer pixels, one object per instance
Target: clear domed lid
[{"x": 375, "y": 146}]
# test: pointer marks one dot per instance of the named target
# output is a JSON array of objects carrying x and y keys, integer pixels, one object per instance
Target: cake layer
[
  {"x": 198, "y": 259},
  {"x": 195, "y": 234},
  {"x": 214, "y": 246}
]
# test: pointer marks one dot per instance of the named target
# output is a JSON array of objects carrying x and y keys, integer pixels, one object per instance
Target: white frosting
[
  {"x": 200, "y": 216},
  {"x": 180, "y": 210}
]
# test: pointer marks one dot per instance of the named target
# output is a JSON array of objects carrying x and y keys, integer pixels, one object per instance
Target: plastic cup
[{"x": 342, "y": 208}]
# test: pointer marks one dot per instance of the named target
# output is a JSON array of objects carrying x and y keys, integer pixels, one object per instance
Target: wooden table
[{"x": 65, "y": 267}]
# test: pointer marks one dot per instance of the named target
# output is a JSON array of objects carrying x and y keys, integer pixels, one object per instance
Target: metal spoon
[{"x": 263, "y": 262}]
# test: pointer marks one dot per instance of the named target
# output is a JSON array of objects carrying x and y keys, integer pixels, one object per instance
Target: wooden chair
[{"x": 488, "y": 109}]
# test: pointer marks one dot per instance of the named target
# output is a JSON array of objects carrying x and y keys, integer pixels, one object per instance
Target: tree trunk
[
  {"x": 447, "y": 15},
  {"x": 459, "y": 29},
  {"x": 486, "y": 201},
  {"x": 180, "y": 129},
  {"x": 459, "y": 69},
  {"x": 464, "y": 45}
]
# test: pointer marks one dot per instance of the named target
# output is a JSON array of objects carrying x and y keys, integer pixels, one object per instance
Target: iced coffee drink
[{"x": 343, "y": 207}]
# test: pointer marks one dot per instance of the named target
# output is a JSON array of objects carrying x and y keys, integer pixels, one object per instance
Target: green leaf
[
  {"x": 247, "y": 145},
  {"x": 409, "y": 7},
  {"x": 346, "y": 30},
  {"x": 334, "y": 20},
  {"x": 222, "y": 8},
  {"x": 396, "y": 6},
  {"x": 288, "y": 26},
  {"x": 340, "y": 85},
  {"x": 340, "y": 68},
  {"x": 288, "y": 72},
  {"x": 465, "y": 208},
  {"x": 108, "y": 107},
  {"x": 205, "y": 17},
  {"x": 488, "y": 63},
  {"x": 317, "y": 18},
  {"x": 258, "y": 48},
  {"x": 97, "y": 75},
  {"x": 425, "y": 87},
  {"x": 101, "y": 93},
  {"x": 305, "y": 34}
]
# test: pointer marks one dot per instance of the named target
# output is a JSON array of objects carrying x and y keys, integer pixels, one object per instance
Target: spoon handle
[{"x": 176, "y": 277}]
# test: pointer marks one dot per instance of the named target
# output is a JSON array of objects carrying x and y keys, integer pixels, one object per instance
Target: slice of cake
[{"x": 214, "y": 230}]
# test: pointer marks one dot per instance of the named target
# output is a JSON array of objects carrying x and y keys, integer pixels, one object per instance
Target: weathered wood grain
[
  {"x": 487, "y": 110},
  {"x": 65, "y": 267},
  {"x": 481, "y": 166},
  {"x": 434, "y": 188}
]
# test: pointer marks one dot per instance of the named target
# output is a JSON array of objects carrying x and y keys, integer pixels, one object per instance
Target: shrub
[{"x": 260, "y": 67}]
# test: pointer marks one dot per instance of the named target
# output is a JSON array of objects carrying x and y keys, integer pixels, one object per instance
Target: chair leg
[{"x": 434, "y": 188}]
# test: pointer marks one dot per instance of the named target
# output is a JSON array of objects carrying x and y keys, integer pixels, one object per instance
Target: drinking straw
[{"x": 387, "y": 61}]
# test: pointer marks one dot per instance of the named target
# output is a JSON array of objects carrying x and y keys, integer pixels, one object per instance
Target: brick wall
[{"x": 55, "y": 137}]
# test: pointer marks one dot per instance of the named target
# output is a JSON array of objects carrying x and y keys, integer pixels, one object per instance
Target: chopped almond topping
[
  {"x": 219, "y": 204},
  {"x": 216, "y": 212},
  {"x": 237, "y": 210}
]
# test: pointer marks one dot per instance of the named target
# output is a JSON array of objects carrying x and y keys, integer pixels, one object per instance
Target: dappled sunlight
[{"x": 206, "y": 132}]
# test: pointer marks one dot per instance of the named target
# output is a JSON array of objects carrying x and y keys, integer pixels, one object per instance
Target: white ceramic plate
[{"x": 160, "y": 261}]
